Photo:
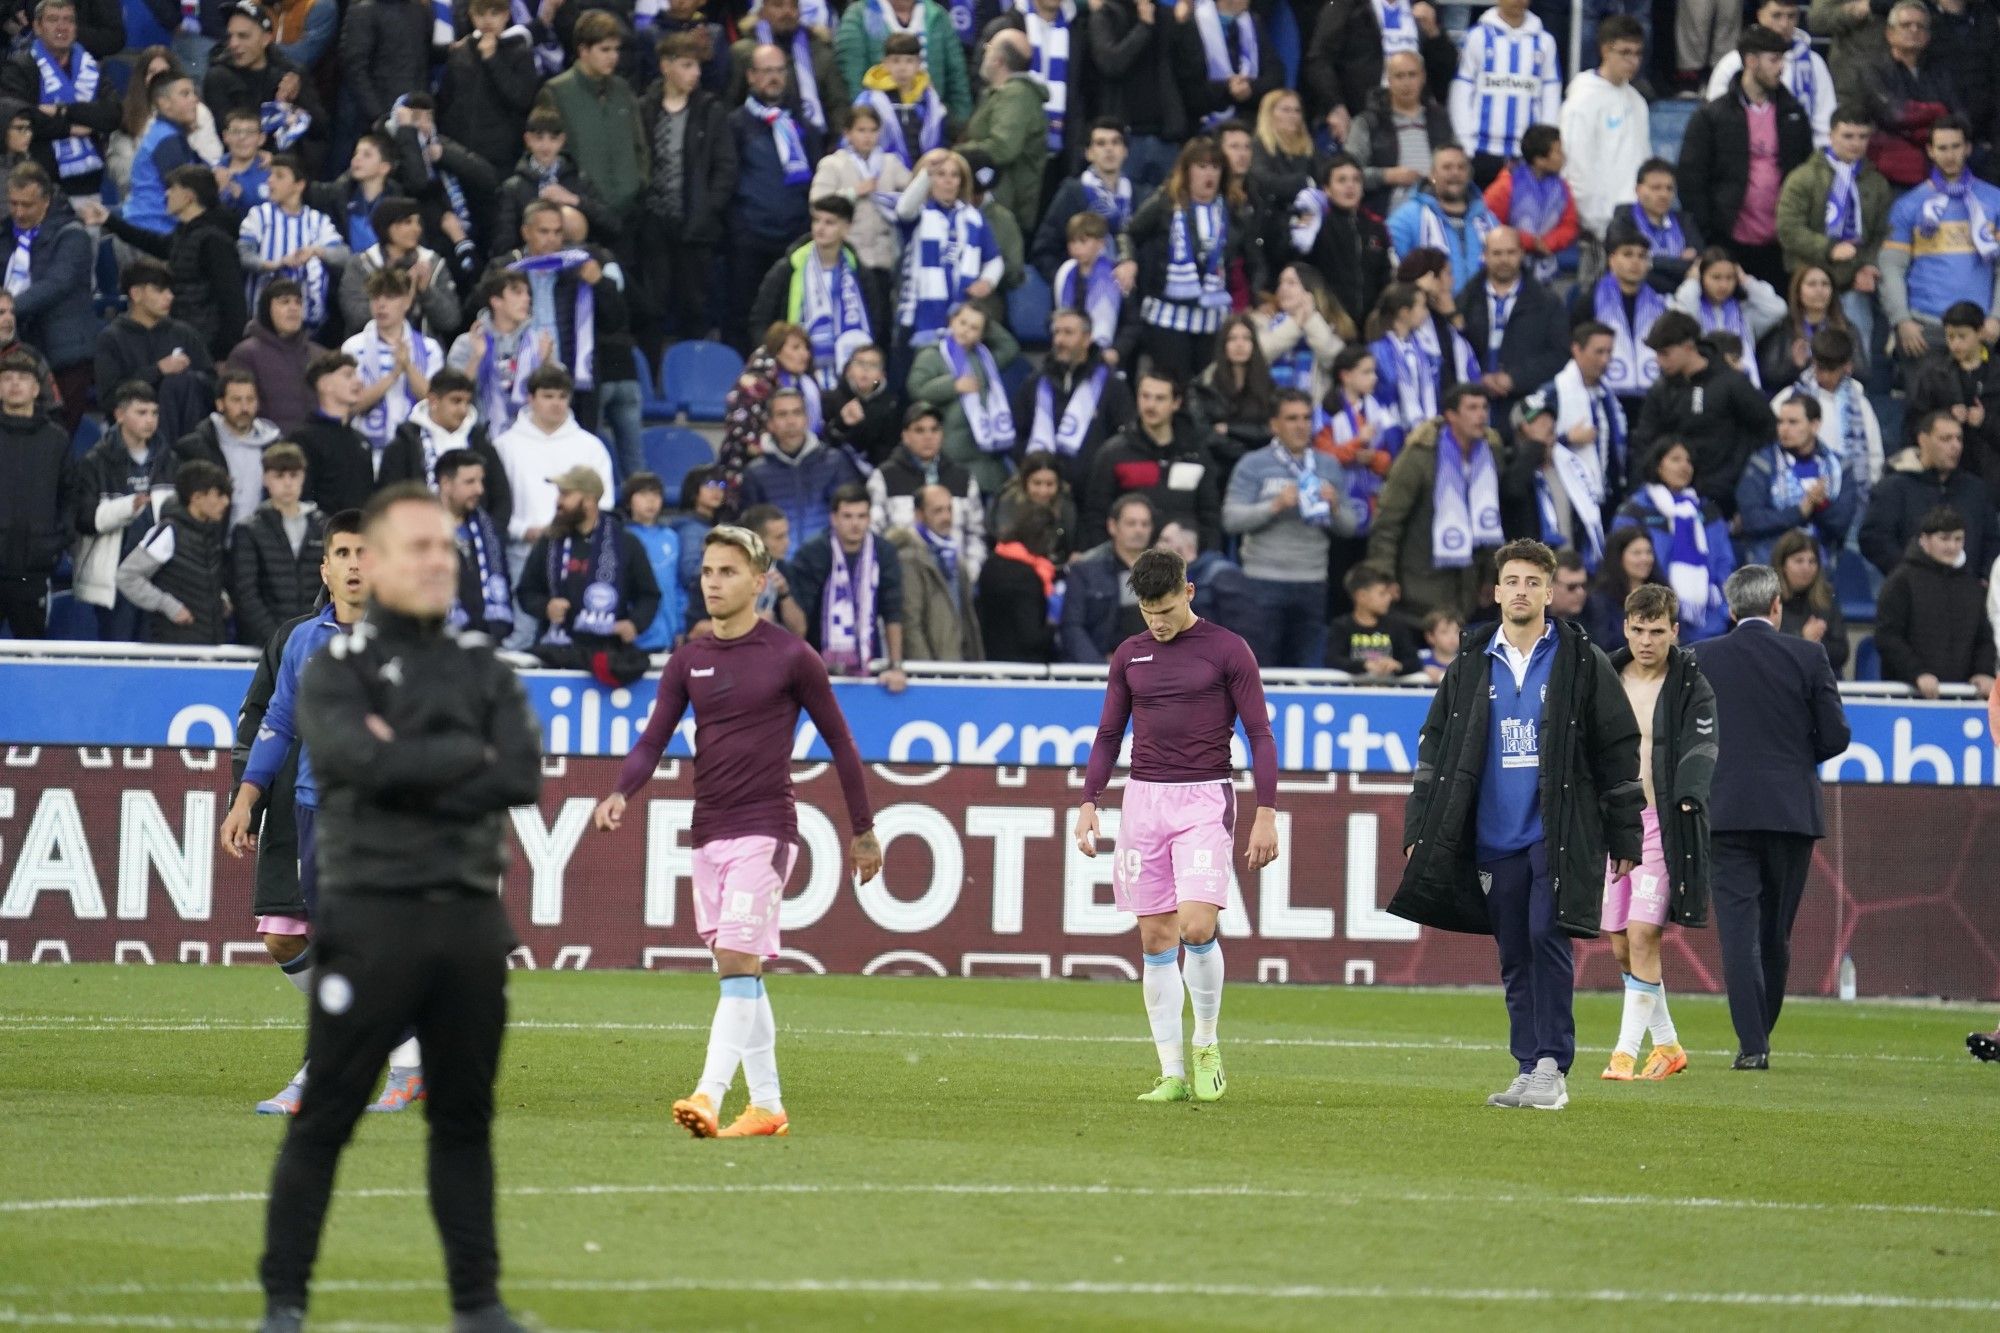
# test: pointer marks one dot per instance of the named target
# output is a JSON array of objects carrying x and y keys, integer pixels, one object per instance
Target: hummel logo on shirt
[
  {"x": 702, "y": 671},
  {"x": 1147, "y": 658}
]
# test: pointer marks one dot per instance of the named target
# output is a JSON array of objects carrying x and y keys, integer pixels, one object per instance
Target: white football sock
[
  {"x": 299, "y": 971},
  {"x": 1640, "y": 997},
  {"x": 1663, "y": 1023},
  {"x": 735, "y": 1017},
  {"x": 1161, "y": 982},
  {"x": 407, "y": 1056},
  {"x": 760, "y": 1056},
  {"x": 1201, "y": 964}
]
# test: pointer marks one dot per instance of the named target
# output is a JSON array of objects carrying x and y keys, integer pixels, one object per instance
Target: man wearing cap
[
  {"x": 1738, "y": 151},
  {"x": 589, "y": 584},
  {"x": 251, "y": 72},
  {"x": 1704, "y": 403},
  {"x": 895, "y": 491}
]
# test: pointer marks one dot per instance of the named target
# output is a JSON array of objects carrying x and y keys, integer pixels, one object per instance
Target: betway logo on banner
[
  {"x": 1351, "y": 729},
  {"x": 110, "y": 856}
]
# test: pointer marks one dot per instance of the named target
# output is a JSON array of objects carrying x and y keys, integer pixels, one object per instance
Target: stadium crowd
[{"x": 1326, "y": 295}]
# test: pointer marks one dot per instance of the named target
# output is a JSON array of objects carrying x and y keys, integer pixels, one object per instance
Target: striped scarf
[
  {"x": 1465, "y": 502},
  {"x": 1049, "y": 66},
  {"x": 1197, "y": 240},
  {"x": 76, "y": 154},
  {"x": 948, "y": 251},
  {"x": 785, "y": 134},
  {"x": 803, "y": 77},
  {"x": 1843, "y": 200},
  {"x": 1408, "y": 378},
  {"x": 584, "y": 312},
  {"x": 931, "y": 117},
  {"x": 1686, "y": 553},
  {"x": 1728, "y": 318},
  {"x": 377, "y": 361},
  {"x": 1666, "y": 238},
  {"x": 1851, "y": 452},
  {"x": 847, "y": 611},
  {"x": 1111, "y": 202},
  {"x": 1633, "y": 367},
  {"x": 986, "y": 412},
  {"x": 276, "y": 234},
  {"x": 479, "y": 542},
  {"x": 1096, "y": 294},
  {"x": 502, "y": 384},
  {"x": 20, "y": 261},
  {"x": 1215, "y": 51},
  {"x": 595, "y": 611},
  {"x": 1064, "y": 432}
]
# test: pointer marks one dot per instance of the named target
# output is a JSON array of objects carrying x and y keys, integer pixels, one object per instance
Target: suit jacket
[
  {"x": 1779, "y": 713},
  {"x": 1535, "y": 345}
]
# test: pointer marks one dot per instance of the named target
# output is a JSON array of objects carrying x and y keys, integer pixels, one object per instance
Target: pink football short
[
  {"x": 1174, "y": 844},
  {"x": 1641, "y": 895},
  {"x": 739, "y": 884},
  {"x": 283, "y": 925}
]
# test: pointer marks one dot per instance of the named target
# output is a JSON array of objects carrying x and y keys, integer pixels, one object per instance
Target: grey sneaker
[
  {"x": 1511, "y": 1095},
  {"x": 492, "y": 1319},
  {"x": 282, "y": 1319},
  {"x": 1547, "y": 1090}
]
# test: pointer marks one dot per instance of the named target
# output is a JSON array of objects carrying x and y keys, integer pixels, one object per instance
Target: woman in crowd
[
  {"x": 1283, "y": 160},
  {"x": 1690, "y": 538},
  {"x": 1187, "y": 239},
  {"x": 1038, "y": 483},
  {"x": 783, "y": 361},
  {"x": 1722, "y": 297},
  {"x": 1628, "y": 562},
  {"x": 1231, "y": 400},
  {"x": 960, "y": 377},
  {"x": 864, "y": 412},
  {"x": 950, "y": 255},
  {"x": 1019, "y": 592},
  {"x": 1785, "y": 352},
  {"x": 1811, "y": 610},
  {"x": 862, "y": 171},
  {"x": 1303, "y": 331}
]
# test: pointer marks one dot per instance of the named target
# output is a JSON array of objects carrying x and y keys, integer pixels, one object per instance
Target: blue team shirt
[
  {"x": 1944, "y": 266},
  {"x": 280, "y": 727},
  {"x": 1510, "y": 796}
]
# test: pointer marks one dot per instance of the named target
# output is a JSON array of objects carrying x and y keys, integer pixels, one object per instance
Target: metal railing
[{"x": 943, "y": 673}]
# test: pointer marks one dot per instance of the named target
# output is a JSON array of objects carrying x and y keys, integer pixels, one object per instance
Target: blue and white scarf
[
  {"x": 20, "y": 261},
  {"x": 834, "y": 313},
  {"x": 1111, "y": 202},
  {"x": 1048, "y": 41},
  {"x": 454, "y": 191},
  {"x": 1499, "y": 309},
  {"x": 1065, "y": 433},
  {"x": 964, "y": 15},
  {"x": 283, "y": 123},
  {"x": 595, "y": 612},
  {"x": 880, "y": 21},
  {"x": 1345, "y": 423},
  {"x": 1667, "y": 238},
  {"x": 1314, "y": 509},
  {"x": 1576, "y": 403},
  {"x": 1851, "y": 453},
  {"x": 1930, "y": 214},
  {"x": 584, "y": 312},
  {"x": 1434, "y": 233},
  {"x": 76, "y": 154},
  {"x": 1790, "y": 475},
  {"x": 1582, "y": 475},
  {"x": 1408, "y": 378},
  {"x": 1633, "y": 369},
  {"x": 1096, "y": 295},
  {"x": 377, "y": 362},
  {"x": 1536, "y": 208},
  {"x": 847, "y": 610},
  {"x": 502, "y": 383},
  {"x": 549, "y": 56},
  {"x": 1686, "y": 553},
  {"x": 1197, "y": 240},
  {"x": 986, "y": 412},
  {"x": 785, "y": 134},
  {"x": 1399, "y": 31},
  {"x": 945, "y": 551},
  {"x": 276, "y": 234},
  {"x": 869, "y": 168},
  {"x": 479, "y": 543},
  {"x": 1465, "y": 502},
  {"x": 1843, "y": 200},
  {"x": 930, "y": 130},
  {"x": 947, "y": 251},
  {"x": 1728, "y": 318},
  {"x": 1215, "y": 51},
  {"x": 1294, "y": 369},
  {"x": 803, "y": 77}
]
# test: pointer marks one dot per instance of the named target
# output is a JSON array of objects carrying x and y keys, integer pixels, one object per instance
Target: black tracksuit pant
[{"x": 436, "y": 961}]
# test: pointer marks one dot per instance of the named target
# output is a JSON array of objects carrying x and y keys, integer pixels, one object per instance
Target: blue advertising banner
[{"x": 1353, "y": 729}]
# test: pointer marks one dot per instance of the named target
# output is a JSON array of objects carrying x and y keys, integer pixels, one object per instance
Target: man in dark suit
[
  {"x": 1780, "y": 716},
  {"x": 1518, "y": 327}
]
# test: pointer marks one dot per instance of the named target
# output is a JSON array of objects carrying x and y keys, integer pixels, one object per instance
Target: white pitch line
[
  {"x": 904, "y": 1034},
  {"x": 1812, "y": 1300},
  {"x": 72, "y": 1319},
  {"x": 1340, "y": 1198}
]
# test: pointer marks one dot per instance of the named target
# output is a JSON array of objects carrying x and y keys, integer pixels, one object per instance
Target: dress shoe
[{"x": 1759, "y": 1061}]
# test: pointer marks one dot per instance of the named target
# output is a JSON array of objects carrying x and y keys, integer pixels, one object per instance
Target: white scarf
[
  {"x": 1465, "y": 502},
  {"x": 1843, "y": 201},
  {"x": 1048, "y": 44},
  {"x": 847, "y": 616},
  {"x": 986, "y": 411},
  {"x": 20, "y": 263},
  {"x": 1582, "y": 478},
  {"x": 1064, "y": 433},
  {"x": 1686, "y": 555}
]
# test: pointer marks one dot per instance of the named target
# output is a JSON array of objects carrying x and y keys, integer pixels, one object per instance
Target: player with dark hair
[
  {"x": 1183, "y": 685},
  {"x": 747, "y": 681}
]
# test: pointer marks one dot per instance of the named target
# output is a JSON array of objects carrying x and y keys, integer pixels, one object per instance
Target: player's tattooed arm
[{"x": 866, "y": 851}]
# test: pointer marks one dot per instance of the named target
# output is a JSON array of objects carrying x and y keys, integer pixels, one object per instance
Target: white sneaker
[
  {"x": 1547, "y": 1090},
  {"x": 1510, "y": 1096}
]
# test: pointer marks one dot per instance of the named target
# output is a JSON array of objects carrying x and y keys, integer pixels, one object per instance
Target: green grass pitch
[{"x": 967, "y": 1155}]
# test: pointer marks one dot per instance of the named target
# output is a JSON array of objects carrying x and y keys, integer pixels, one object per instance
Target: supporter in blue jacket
[
  {"x": 796, "y": 471},
  {"x": 645, "y": 498},
  {"x": 1099, "y": 610}
]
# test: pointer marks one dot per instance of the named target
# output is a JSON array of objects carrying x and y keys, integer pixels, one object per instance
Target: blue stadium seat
[
  {"x": 71, "y": 619},
  {"x": 652, "y": 407},
  {"x": 1867, "y": 660},
  {"x": 1854, "y": 584},
  {"x": 1016, "y": 373},
  {"x": 1028, "y": 309},
  {"x": 88, "y": 432},
  {"x": 1284, "y": 27},
  {"x": 695, "y": 376},
  {"x": 674, "y": 451}
]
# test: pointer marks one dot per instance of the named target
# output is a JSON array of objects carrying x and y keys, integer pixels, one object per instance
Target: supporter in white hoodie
[
  {"x": 544, "y": 442},
  {"x": 1607, "y": 132}
]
